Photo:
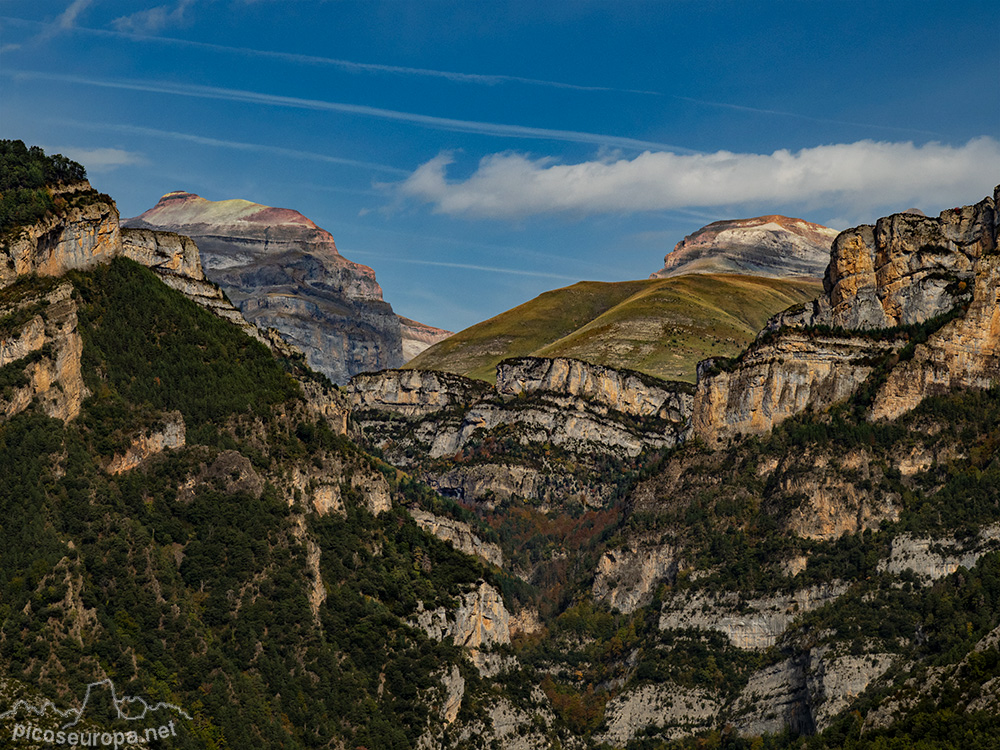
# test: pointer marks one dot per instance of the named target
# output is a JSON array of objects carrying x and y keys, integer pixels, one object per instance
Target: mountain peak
[
  {"x": 773, "y": 245},
  {"x": 183, "y": 208}
]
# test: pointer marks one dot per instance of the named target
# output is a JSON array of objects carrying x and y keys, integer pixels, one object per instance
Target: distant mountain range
[
  {"x": 283, "y": 271},
  {"x": 661, "y": 327},
  {"x": 799, "y": 550},
  {"x": 715, "y": 291},
  {"x": 776, "y": 246}
]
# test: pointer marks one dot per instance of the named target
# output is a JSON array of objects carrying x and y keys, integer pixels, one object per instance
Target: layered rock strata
[
  {"x": 81, "y": 233},
  {"x": 885, "y": 285},
  {"x": 40, "y": 354},
  {"x": 586, "y": 410},
  {"x": 614, "y": 390},
  {"x": 752, "y": 624},
  {"x": 413, "y": 393},
  {"x": 284, "y": 272},
  {"x": 418, "y": 337},
  {"x": 776, "y": 246}
]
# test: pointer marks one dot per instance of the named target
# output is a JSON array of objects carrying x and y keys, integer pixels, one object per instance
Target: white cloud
[
  {"x": 153, "y": 20},
  {"x": 67, "y": 19},
  {"x": 100, "y": 159},
  {"x": 857, "y": 175}
]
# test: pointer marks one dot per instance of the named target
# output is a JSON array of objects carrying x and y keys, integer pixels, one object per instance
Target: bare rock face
[
  {"x": 752, "y": 624},
  {"x": 81, "y": 233},
  {"x": 412, "y": 393},
  {"x": 493, "y": 481},
  {"x": 965, "y": 353},
  {"x": 573, "y": 404},
  {"x": 586, "y": 410},
  {"x": 777, "y": 379},
  {"x": 775, "y": 697},
  {"x": 932, "y": 558},
  {"x": 284, "y": 272},
  {"x": 454, "y": 690},
  {"x": 805, "y": 692},
  {"x": 419, "y": 336},
  {"x": 171, "y": 434},
  {"x": 882, "y": 281},
  {"x": 43, "y": 355},
  {"x": 327, "y": 403},
  {"x": 775, "y": 246},
  {"x": 623, "y": 391},
  {"x": 459, "y": 535},
  {"x": 674, "y": 710},
  {"x": 478, "y": 624},
  {"x": 163, "y": 252},
  {"x": 899, "y": 272},
  {"x": 626, "y": 578}
]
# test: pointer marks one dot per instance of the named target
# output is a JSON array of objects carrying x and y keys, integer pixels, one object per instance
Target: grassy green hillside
[{"x": 662, "y": 327}]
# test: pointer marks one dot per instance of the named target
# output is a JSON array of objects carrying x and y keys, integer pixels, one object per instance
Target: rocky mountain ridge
[
  {"x": 727, "y": 537},
  {"x": 203, "y": 515},
  {"x": 284, "y": 272},
  {"x": 914, "y": 298},
  {"x": 583, "y": 409},
  {"x": 776, "y": 246},
  {"x": 41, "y": 324}
]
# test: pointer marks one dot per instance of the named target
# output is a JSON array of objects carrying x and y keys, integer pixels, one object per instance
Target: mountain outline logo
[{"x": 129, "y": 709}]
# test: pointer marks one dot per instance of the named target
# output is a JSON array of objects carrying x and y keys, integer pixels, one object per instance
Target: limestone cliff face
[
  {"x": 932, "y": 558},
  {"x": 586, "y": 410},
  {"x": 622, "y": 391},
  {"x": 459, "y": 535},
  {"x": 753, "y": 624},
  {"x": 572, "y": 404},
  {"x": 675, "y": 710},
  {"x": 171, "y": 434},
  {"x": 284, "y": 272},
  {"x": 413, "y": 393},
  {"x": 905, "y": 271},
  {"x": 327, "y": 403},
  {"x": 776, "y": 246},
  {"x": 478, "y": 624},
  {"x": 963, "y": 354},
  {"x": 900, "y": 271},
  {"x": 43, "y": 355},
  {"x": 81, "y": 233},
  {"x": 627, "y": 577},
  {"x": 782, "y": 377}
]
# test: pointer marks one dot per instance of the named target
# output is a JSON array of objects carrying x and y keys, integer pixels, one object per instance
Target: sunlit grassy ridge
[{"x": 662, "y": 327}]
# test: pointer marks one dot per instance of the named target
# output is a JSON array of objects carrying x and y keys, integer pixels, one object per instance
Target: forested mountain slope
[{"x": 193, "y": 514}]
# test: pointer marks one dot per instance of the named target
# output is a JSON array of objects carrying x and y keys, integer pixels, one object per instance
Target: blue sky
[{"x": 478, "y": 153}]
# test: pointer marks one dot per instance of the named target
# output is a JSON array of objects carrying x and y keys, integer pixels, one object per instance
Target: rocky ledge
[
  {"x": 587, "y": 411},
  {"x": 910, "y": 309},
  {"x": 81, "y": 233}
]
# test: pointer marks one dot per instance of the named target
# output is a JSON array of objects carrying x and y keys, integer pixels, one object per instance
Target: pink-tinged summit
[
  {"x": 776, "y": 246},
  {"x": 283, "y": 271}
]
